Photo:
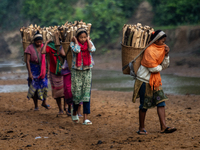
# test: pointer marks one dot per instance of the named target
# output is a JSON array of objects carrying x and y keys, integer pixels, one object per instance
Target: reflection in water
[{"x": 116, "y": 81}]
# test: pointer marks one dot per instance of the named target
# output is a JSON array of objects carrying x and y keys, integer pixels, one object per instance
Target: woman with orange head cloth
[{"x": 148, "y": 81}]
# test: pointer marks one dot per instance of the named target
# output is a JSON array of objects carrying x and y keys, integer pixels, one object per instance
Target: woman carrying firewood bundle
[
  {"x": 37, "y": 80},
  {"x": 56, "y": 78},
  {"x": 148, "y": 81},
  {"x": 81, "y": 74}
]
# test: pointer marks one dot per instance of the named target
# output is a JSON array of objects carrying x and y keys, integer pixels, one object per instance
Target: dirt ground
[
  {"x": 114, "y": 118},
  {"x": 115, "y": 122}
]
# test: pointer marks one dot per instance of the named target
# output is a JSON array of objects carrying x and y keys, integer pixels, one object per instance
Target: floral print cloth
[
  {"x": 37, "y": 85},
  {"x": 81, "y": 85},
  {"x": 152, "y": 97}
]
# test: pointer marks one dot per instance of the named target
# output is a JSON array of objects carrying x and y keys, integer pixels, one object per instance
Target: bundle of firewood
[
  {"x": 61, "y": 35},
  {"x": 27, "y": 33},
  {"x": 66, "y": 33},
  {"x": 136, "y": 36},
  {"x": 55, "y": 33},
  {"x": 68, "y": 30},
  {"x": 58, "y": 34}
]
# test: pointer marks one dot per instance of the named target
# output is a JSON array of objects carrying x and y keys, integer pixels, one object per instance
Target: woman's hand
[
  {"x": 48, "y": 41},
  {"x": 74, "y": 39},
  {"x": 167, "y": 50},
  {"x": 30, "y": 76},
  {"x": 88, "y": 38}
]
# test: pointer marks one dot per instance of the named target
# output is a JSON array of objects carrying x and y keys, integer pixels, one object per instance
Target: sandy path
[
  {"x": 114, "y": 117},
  {"x": 115, "y": 122}
]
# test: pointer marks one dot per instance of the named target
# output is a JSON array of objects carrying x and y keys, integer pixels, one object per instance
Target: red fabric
[
  {"x": 53, "y": 59},
  {"x": 43, "y": 67},
  {"x": 67, "y": 86},
  {"x": 85, "y": 55}
]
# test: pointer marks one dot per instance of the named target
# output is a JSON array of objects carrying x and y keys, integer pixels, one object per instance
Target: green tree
[
  {"x": 107, "y": 19},
  {"x": 10, "y": 15},
  {"x": 51, "y": 12},
  {"x": 176, "y": 12},
  {"x": 107, "y": 16}
]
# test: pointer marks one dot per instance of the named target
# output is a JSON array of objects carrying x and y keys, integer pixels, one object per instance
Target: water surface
[
  {"x": 107, "y": 80},
  {"x": 115, "y": 80}
]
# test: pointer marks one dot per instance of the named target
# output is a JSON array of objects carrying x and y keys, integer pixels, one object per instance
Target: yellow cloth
[{"x": 153, "y": 56}]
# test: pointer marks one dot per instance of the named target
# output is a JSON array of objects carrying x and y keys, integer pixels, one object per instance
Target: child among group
[
  {"x": 67, "y": 89},
  {"x": 81, "y": 74},
  {"x": 148, "y": 81}
]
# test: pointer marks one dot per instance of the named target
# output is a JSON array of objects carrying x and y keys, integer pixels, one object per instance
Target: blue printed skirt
[{"x": 37, "y": 87}]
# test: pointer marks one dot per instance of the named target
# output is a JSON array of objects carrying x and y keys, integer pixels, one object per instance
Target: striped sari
[{"x": 57, "y": 85}]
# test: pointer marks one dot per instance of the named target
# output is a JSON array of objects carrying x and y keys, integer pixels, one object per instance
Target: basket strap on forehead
[{"x": 132, "y": 73}]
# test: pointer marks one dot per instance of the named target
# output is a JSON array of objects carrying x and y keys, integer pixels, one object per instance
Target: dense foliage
[
  {"x": 176, "y": 12},
  {"x": 107, "y": 16},
  {"x": 48, "y": 13},
  {"x": 10, "y": 15}
]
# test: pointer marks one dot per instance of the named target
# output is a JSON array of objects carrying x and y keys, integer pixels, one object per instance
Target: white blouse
[{"x": 144, "y": 73}]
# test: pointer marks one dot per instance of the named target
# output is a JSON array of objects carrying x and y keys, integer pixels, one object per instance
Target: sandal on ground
[
  {"x": 46, "y": 106},
  {"x": 169, "y": 130},
  {"x": 87, "y": 122},
  {"x": 60, "y": 113},
  {"x": 80, "y": 115},
  {"x": 36, "y": 109},
  {"x": 68, "y": 112},
  {"x": 144, "y": 132},
  {"x": 75, "y": 119}
]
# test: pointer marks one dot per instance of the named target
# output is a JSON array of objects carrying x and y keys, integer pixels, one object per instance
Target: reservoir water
[{"x": 108, "y": 80}]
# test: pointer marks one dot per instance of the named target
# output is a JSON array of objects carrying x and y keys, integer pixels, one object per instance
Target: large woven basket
[
  {"x": 68, "y": 53},
  {"x": 128, "y": 54},
  {"x": 25, "y": 45}
]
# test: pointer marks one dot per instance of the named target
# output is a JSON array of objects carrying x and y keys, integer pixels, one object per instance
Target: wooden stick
[
  {"x": 44, "y": 33},
  {"x": 130, "y": 37},
  {"x": 66, "y": 23},
  {"x": 124, "y": 31},
  {"x": 141, "y": 45},
  {"x": 137, "y": 43},
  {"x": 89, "y": 28},
  {"x": 71, "y": 35},
  {"x": 62, "y": 33},
  {"x": 56, "y": 37},
  {"x": 67, "y": 36},
  {"x": 127, "y": 33},
  {"x": 134, "y": 37},
  {"x": 74, "y": 30}
]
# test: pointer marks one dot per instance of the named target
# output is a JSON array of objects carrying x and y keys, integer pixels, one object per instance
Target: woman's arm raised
[{"x": 44, "y": 47}]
